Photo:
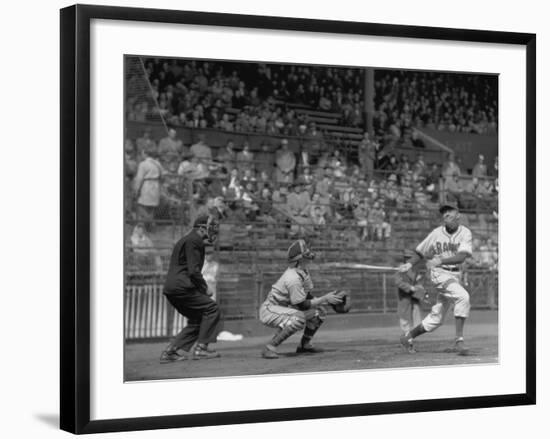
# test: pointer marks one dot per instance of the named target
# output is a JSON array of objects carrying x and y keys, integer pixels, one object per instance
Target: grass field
[{"x": 365, "y": 347}]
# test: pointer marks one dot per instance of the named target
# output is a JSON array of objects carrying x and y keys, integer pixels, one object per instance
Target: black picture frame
[{"x": 75, "y": 217}]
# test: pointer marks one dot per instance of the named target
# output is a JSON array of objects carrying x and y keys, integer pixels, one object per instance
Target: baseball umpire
[
  {"x": 290, "y": 306},
  {"x": 186, "y": 290}
]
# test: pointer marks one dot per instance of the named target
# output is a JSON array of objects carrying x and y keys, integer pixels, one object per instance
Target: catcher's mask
[
  {"x": 210, "y": 225},
  {"x": 299, "y": 250}
]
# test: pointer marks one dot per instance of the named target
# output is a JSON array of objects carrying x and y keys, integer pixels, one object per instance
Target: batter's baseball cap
[{"x": 451, "y": 205}]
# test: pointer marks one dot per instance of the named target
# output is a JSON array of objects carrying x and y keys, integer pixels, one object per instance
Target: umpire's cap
[
  {"x": 298, "y": 250},
  {"x": 204, "y": 220},
  {"x": 451, "y": 205}
]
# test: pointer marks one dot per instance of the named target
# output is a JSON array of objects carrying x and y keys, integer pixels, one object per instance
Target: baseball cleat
[
  {"x": 407, "y": 343},
  {"x": 171, "y": 357},
  {"x": 461, "y": 349},
  {"x": 309, "y": 349},
  {"x": 270, "y": 354},
  {"x": 204, "y": 354}
]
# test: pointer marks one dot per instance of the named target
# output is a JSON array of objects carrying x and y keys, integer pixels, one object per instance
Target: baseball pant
[
  {"x": 204, "y": 320},
  {"x": 450, "y": 292},
  {"x": 276, "y": 316}
]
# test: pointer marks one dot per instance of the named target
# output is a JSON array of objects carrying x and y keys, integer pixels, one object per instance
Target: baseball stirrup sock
[
  {"x": 418, "y": 330},
  {"x": 308, "y": 335}
]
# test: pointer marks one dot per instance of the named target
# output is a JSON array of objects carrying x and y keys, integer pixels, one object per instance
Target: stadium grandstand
[{"x": 354, "y": 160}]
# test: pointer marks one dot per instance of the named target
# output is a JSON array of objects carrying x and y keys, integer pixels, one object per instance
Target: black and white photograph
[
  {"x": 273, "y": 218},
  {"x": 288, "y": 218}
]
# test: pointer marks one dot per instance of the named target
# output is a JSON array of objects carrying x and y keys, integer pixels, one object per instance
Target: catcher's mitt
[
  {"x": 419, "y": 292},
  {"x": 345, "y": 305}
]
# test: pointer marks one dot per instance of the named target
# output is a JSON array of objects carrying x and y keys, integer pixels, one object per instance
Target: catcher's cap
[
  {"x": 298, "y": 250},
  {"x": 451, "y": 205}
]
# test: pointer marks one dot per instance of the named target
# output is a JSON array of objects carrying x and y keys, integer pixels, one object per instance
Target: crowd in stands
[
  {"x": 169, "y": 180},
  {"x": 254, "y": 97},
  {"x": 443, "y": 101},
  {"x": 322, "y": 188},
  {"x": 244, "y": 97}
]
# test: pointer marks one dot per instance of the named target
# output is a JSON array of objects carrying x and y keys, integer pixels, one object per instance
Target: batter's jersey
[
  {"x": 291, "y": 288},
  {"x": 444, "y": 244}
]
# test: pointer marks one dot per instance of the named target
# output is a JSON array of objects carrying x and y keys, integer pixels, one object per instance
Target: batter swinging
[{"x": 445, "y": 249}]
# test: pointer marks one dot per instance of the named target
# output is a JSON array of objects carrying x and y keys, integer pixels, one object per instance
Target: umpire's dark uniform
[{"x": 186, "y": 289}]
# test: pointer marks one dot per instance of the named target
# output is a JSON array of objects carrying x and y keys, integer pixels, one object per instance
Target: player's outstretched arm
[{"x": 408, "y": 265}]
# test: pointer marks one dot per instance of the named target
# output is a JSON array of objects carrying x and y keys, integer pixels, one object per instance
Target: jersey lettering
[{"x": 439, "y": 242}]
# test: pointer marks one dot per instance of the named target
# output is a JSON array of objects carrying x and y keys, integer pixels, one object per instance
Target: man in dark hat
[
  {"x": 445, "y": 249},
  {"x": 410, "y": 293},
  {"x": 187, "y": 291}
]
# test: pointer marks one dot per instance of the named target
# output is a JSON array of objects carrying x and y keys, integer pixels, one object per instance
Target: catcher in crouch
[{"x": 290, "y": 306}]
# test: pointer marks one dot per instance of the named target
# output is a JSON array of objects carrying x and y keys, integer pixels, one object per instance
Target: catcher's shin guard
[
  {"x": 312, "y": 325},
  {"x": 290, "y": 328}
]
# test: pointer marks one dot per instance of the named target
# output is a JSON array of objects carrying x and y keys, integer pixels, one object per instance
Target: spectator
[
  {"x": 376, "y": 219},
  {"x": 360, "y": 213},
  {"x": 130, "y": 163},
  {"x": 265, "y": 180},
  {"x": 389, "y": 163},
  {"x": 338, "y": 164},
  {"x": 147, "y": 186},
  {"x": 171, "y": 196},
  {"x": 170, "y": 146},
  {"x": 146, "y": 257},
  {"x": 193, "y": 168},
  {"x": 234, "y": 189},
  {"x": 245, "y": 158},
  {"x": 480, "y": 168},
  {"x": 265, "y": 205},
  {"x": 450, "y": 168},
  {"x": 201, "y": 150},
  {"x": 488, "y": 255},
  {"x": 317, "y": 216},
  {"x": 228, "y": 156},
  {"x": 419, "y": 167},
  {"x": 298, "y": 200},
  {"x": 453, "y": 190},
  {"x": 145, "y": 142},
  {"x": 367, "y": 150},
  {"x": 218, "y": 209},
  {"x": 265, "y": 160},
  {"x": 226, "y": 124},
  {"x": 306, "y": 178},
  {"x": 325, "y": 186},
  {"x": 285, "y": 163},
  {"x": 313, "y": 145},
  {"x": 432, "y": 181}
]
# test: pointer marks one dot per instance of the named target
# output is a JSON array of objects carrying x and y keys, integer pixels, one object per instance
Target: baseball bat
[{"x": 358, "y": 266}]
